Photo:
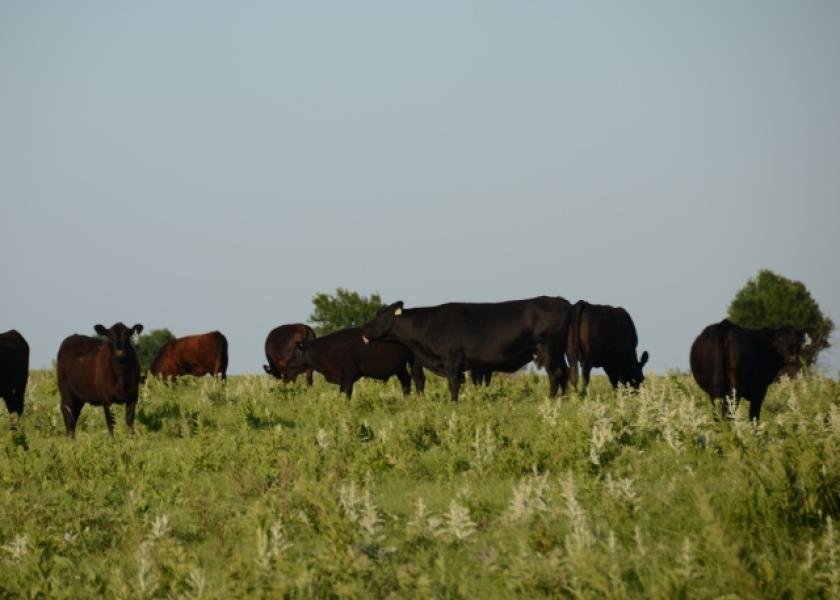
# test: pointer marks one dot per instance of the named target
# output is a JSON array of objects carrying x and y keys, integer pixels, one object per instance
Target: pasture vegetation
[{"x": 259, "y": 489}]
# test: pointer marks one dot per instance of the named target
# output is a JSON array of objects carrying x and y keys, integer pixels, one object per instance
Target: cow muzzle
[{"x": 365, "y": 339}]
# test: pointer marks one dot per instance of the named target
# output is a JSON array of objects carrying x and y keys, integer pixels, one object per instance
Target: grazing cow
[
  {"x": 452, "y": 338},
  {"x": 193, "y": 355},
  {"x": 99, "y": 372},
  {"x": 604, "y": 336},
  {"x": 728, "y": 360},
  {"x": 280, "y": 346},
  {"x": 343, "y": 358},
  {"x": 14, "y": 370}
]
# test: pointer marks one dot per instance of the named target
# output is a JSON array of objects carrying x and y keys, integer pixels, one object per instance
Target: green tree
[
  {"x": 770, "y": 300},
  {"x": 344, "y": 309},
  {"x": 148, "y": 345}
]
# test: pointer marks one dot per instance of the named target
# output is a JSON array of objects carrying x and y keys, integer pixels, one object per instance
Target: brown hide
[{"x": 198, "y": 355}]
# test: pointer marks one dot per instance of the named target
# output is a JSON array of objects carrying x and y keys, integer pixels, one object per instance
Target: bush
[
  {"x": 148, "y": 345},
  {"x": 770, "y": 300},
  {"x": 344, "y": 309}
]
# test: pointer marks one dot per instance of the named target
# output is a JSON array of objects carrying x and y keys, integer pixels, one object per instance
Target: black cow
[
  {"x": 280, "y": 346},
  {"x": 343, "y": 358},
  {"x": 728, "y": 360},
  {"x": 99, "y": 372},
  {"x": 14, "y": 370},
  {"x": 604, "y": 336},
  {"x": 452, "y": 338}
]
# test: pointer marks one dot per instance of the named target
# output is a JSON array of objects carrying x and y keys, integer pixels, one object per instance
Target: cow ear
[
  {"x": 100, "y": 329},
  {"x": 645, "y": 357},
  {"x": 138, "y": 328}
]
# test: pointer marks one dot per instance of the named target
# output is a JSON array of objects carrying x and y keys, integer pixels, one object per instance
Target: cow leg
[
  {"x": 454, "y": 385},
  {"x": 309, "y": 377},
  {"x": 572, "y": 377},
  {"x": 554, "y": 354},
  {"x": 453, "y": 367},
  {"x": 756, "y": 398},
  {"x": 19, "y": 395},
  {"x": 109, "y": 418},
  {"x": 586, "y": 369},
  {"x": 405, "y": 381},
  {"x": 419, "y": 377},
  {"x": 556, "y": 378},
  {"x": 347, "y": 388},
  {"x": 129, "y": 415},
  {"x": 70, "y": 411}
]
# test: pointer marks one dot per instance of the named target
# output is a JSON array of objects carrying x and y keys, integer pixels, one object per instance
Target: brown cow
[
  {"x": 193, "y": 355},
  {"x": 280, "y": 348},
  {"x": 14, "y": 369},
  {"x": 99, "y": 372}
]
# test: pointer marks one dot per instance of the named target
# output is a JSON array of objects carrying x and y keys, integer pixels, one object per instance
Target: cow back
[{"x": 486, "y": 333}]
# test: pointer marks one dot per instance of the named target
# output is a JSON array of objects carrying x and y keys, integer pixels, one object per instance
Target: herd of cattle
[{"x": 449, "y": 340}]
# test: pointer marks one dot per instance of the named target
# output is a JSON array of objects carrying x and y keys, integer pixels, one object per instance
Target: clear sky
[{"x": 212, "y": 165}]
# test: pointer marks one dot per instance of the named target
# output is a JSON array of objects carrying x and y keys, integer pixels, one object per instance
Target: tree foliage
[
  {"x": 770, "y": 300},
  {"x": 148, "y": 345},
  {"x": 344, "y": 309}
]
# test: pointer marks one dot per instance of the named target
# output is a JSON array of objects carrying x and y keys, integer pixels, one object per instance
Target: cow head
[
  {"x": 382, "y": 324},
  {"x": 297, "y": 364},
  {"x": 787, "y": 342},
  {"x": 118, "y": 337},
  {"x": 633, "y": 375}
]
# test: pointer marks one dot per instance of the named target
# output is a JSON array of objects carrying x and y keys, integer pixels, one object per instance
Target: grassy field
[{"x": 258, "y": 489}]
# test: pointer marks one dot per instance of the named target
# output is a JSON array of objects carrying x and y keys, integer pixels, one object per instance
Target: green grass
[{"x": 258, "y": 489}]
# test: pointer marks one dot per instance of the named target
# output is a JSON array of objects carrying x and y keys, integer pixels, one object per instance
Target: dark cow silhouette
[
  {"x": 14, "y": 370},
  {"x": 99, "y": 372},
  {"x": 604, "y": 336},
  {"x": 201, "y": 354},
  {"x": 343, "y": 358},
  {"x": 280, "y": 346},
  {"x": 452, "y": 338},
  {"x": 728, "y": 360}
]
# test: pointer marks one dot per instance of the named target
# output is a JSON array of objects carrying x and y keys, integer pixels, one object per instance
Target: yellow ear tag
[{"x": 398, "y": 312}]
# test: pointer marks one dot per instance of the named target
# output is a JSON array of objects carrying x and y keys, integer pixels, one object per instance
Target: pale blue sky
[{"x": 212, "y": 165}]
